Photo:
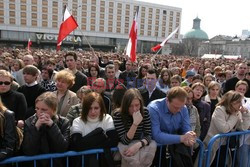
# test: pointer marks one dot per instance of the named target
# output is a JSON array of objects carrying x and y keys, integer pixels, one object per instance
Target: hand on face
[{"x": 137, "y": 118}]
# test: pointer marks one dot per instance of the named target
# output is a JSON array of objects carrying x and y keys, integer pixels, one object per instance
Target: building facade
[
  {"x": 104, "y": 23},
  {"x": 226, "y": 45}
]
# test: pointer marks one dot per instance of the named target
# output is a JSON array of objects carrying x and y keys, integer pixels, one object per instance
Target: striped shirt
[{"x": 143, "y": 130}]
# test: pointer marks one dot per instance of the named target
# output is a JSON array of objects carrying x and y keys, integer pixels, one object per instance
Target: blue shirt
[{"x": 166, "y": 126}]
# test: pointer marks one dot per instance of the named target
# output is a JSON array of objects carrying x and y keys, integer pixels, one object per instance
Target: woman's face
[
  {"x": 94, "y": 111},
  {"x": 207, "y": 81},
  {"x": 42, "y": 108},
  {"x": 134, "y": 106},
  {"x": 214, "y": 91},
  {"x": 143, "y": 72},
  {"x": 174, "y": 83},
  {"x": 189, "y": 99},
  {"x": 16, "y": 66},
  {"x": 201, "y": 70},
  {"x": 165, "y": 76},
  {"x": 241, "y": 89},
  {"x": 5, "y": 84},
  {"x": 198, "y": 91},
  {"x": 62, "y": 85},
  {"x": 237, "y": 105},
  {"x": 93, "y": 72}
]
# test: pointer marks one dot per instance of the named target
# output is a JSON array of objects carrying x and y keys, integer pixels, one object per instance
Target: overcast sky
[{"x": 218, "y": 17}]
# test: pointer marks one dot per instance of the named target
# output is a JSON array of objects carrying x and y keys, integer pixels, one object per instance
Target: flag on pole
[
  {"x": 132, "y": 42},
  {"x": 68, "y": 25},
  {"x": 159, "y": 46},
  {"x": 29, "y": 44}
]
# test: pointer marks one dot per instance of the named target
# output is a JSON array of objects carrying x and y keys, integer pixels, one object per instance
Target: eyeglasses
[{"x": 4, "y": 83}]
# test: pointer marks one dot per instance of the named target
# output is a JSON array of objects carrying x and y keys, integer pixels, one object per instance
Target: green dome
[{"x": 196, "y": 33}]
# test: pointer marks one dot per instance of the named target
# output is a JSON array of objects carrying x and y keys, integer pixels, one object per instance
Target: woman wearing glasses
[{"x": 13, "y": 100}]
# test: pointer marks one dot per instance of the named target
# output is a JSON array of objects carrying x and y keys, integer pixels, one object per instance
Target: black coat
[
  {"x": 157, "y": 94},
  {"x": 47, "y": 139},
  {"x": 8, "y": 141}
]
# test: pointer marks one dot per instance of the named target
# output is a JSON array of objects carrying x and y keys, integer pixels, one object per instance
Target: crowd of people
[{"x": 79, "y": 100}]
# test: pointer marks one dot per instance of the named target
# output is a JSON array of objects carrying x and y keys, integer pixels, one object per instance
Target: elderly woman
[
  {"x": 7, "y": 132},
  {"x": 94, "y": 128},
  {"x": 65, "y": 97},
  {"x": 46, "y": 132},
  {"x": 132, "y": 122}
]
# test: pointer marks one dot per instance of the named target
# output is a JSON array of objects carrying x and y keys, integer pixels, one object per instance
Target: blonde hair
[
  {"x": 229, "y": 98},
  {"x": 67, "y": 76},
  {"x": 4, "y": 73},
  {"x": 2, "y": 118}
]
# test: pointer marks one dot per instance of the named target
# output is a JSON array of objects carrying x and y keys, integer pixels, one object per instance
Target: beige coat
[
  {"x": 69, "y": 100},
  {"x": 222, "y": 122}
]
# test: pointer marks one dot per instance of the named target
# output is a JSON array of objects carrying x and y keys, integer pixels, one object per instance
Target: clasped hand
[
  {"x": 189, "y": 138},
  {"x": 43, "y": 119}
]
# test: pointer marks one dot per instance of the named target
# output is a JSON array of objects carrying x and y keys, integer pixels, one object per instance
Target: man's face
[
  {"x": 27, "y": 61},
  {"x": 175, "y": 105},
  {"x": 110, "y": 73},
  {"x": 129, "y": 66},
  {"x": 99, "y": 86},
  {"x": 71, "y": 63},
  {"x": 28, "y": 78},
  {"x": 242, "y": 69},
  {"x": 151, "y": 80},
  {"x": 45, "y": 74}
]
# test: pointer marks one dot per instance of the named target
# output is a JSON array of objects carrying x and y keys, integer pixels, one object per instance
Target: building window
[
  {"x": 150, "y": 10},
  {"x": 101, "y": 22},
  {"x": 110, "y": 23},
  {"x": 1, "y": 13},
  {"x": 34, "y": 1},
  {"x": 84, "y": 7},
  {"x": 45, "y": 24},
  {"x": 102, "y": 16},
  {"x": 92, "y": 28},
  {"x": 119, "y": 5},
  {"x": 178, "y": 14},
  {"x": 118, "y": 30},
  {"x": 84, "y": 20},
  {"x": 1, "y": 5},
  {"x": 93, "y": 8},
  {"x": 23, "y": 7},
  {"x": 84, "y": 1},
  {"x": 23, "y": 22},
  {"x": 1, "y": 20},
  {"x": 55, "y": 10},
  {"x": 127, "y": 7},
  {"x": 119, "y": 18},
  {"x": 111, "y": 10},
  {"x": 102, "y": 9},
  {"x": 149, "y": 33},
  {"x": 83, "y": 27},
  {"x": 164, "y": 12},
  {"x": 12, "y": 6},
  {"x": 92, "y": 21},
  {"x": 149, "y": 27},
  {"x": 45, "y": 10},
  {"x": 12, "y": 21},
  {"x": 171, "y": 13},
  {"x": 54, "y": 24},
  {"x": 44, "y": 17},
  {"x": 101, "y": 28},
  {"x": 157, "y": 11},
  {"x": 142, "y": 32},
  {"x": 23, "y": 1},
  {"x": 45, "y": 3},
  {"x": 111, "y": 4},
  {"x": 34, "y": 16},
  {"x": 149, "y": 21},
  {"x": 34, "y": 23},
  {"x": 92, "y": 15},
  {"x": 119, "y": 11},
  {"x": 118, "y": 24},
  {"x": 12, "y": 14},
  {"x": 110, "y": 29},
  {"x": 93, "y": 1},
  {"x": 84, "y": 14},
  {"x": 102, "y": 3},
  {"x": 33, "y": 8},
  {"x": 126, "y": 30},
  {"x": 111, "y": 17},
  {"x": 54, "y": 17}
]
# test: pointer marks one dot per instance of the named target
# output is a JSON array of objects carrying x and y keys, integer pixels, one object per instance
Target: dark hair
[
  {"x": 71, "y": 53},
  {"x": 96, "y": 67},
  {"x": 153, "y": 71},
  {"x": 117, "y": 95},
  {"x": 128, "y": 97},
  {"x": 31, "y": 70},
  {"x": 87, "y": 101},
  {"x": 140, "y": 71},
  {"x": 50, "y": 71},
  {"x": 198, "y": 76},
  {"x": 165, "y": 70}
]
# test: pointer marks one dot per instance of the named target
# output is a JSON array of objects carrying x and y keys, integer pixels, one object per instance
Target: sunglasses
[{"x": 5, "y": 83}]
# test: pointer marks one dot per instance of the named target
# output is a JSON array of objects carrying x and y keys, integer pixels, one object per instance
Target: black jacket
[
  {"x": 48, "y": 139},
  {"x": 8, "y": 141},
  {"x": 157, "y": 94},
  {"x": 16, "y": 102}
]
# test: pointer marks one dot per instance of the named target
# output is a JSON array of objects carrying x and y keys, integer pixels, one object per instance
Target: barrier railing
[
  {"x": 226, "y": 137},
  {"x": 51, "y": 157}
]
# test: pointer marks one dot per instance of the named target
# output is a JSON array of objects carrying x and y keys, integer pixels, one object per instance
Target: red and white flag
[
  {"x": 159, "y": 46},
  {"x": 132, "y": 42},
  {"x": 68, "y": 25},
  {"x": 29, "y": 44}
]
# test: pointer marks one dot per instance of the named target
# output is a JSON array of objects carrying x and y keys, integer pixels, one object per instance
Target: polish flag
[
  {"x": 159, "y": 46},
  {"x": 68, "y": 25},
  {"x": 29, "y": 44},
  {"x": 132, "y": 42}
]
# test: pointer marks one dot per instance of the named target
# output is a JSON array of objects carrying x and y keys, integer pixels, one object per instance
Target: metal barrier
[
  {"x": 226, "y": 136},
  {"x": 51, "y": 157}
]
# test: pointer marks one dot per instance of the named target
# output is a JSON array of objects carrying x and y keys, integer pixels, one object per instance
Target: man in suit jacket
[{"x": 150, "y": 92}]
